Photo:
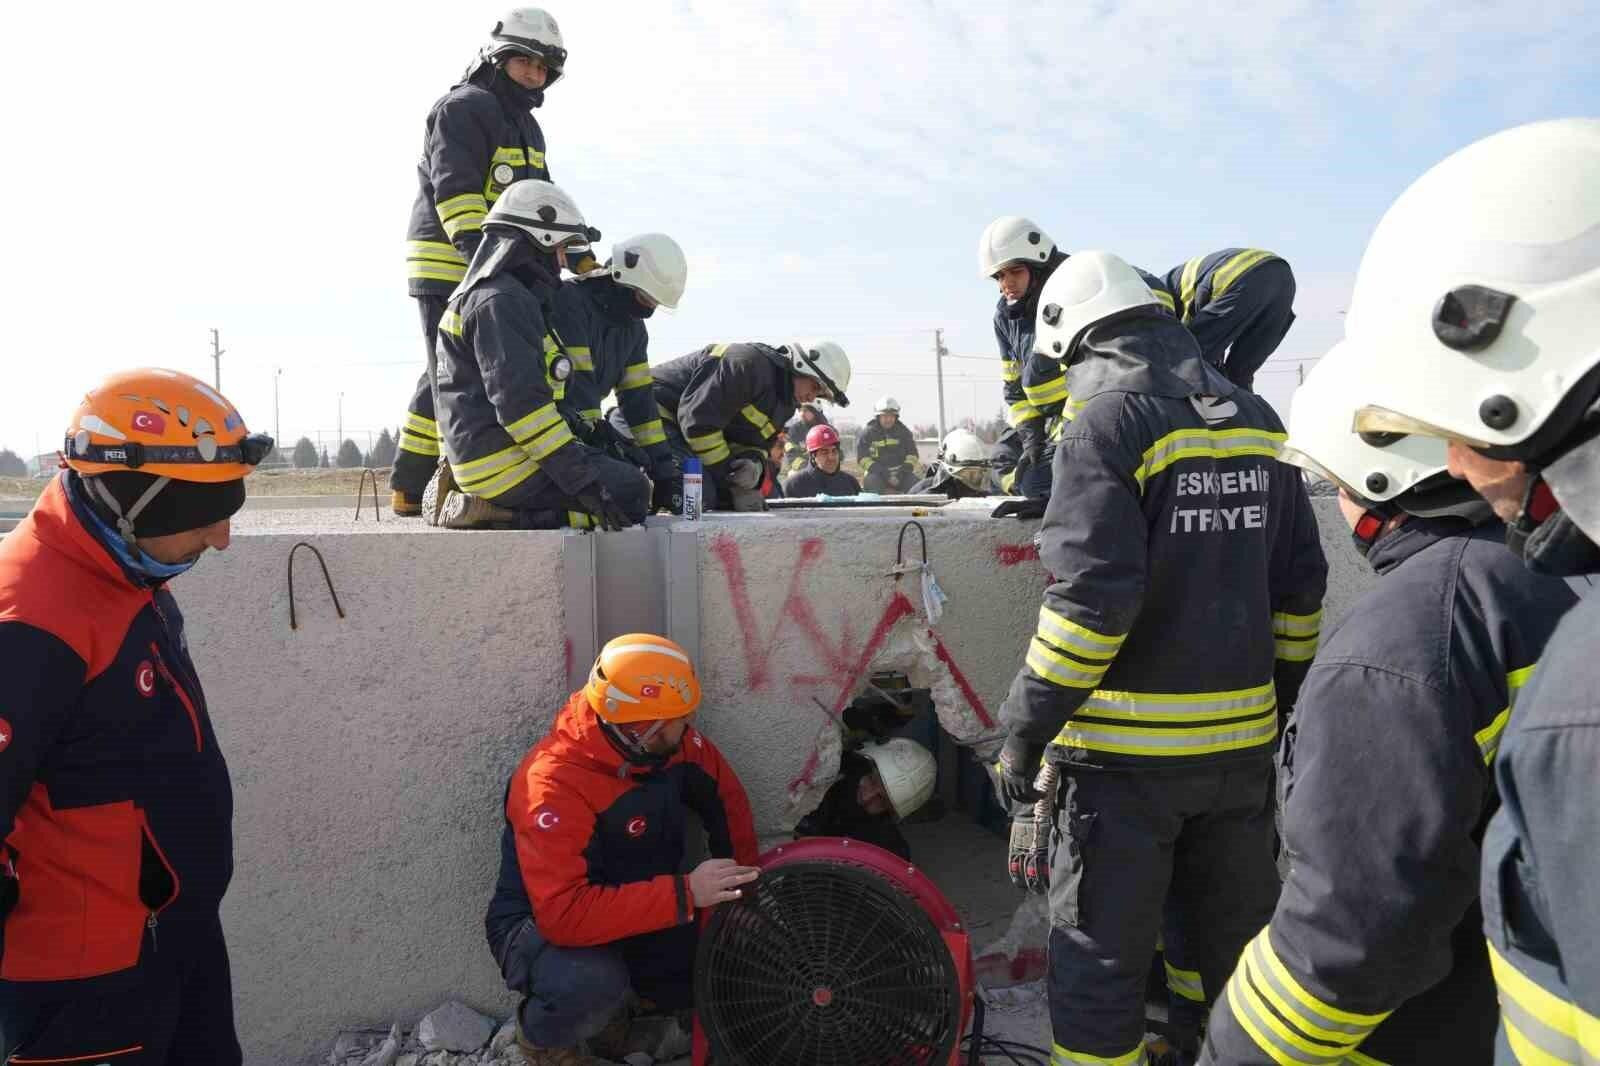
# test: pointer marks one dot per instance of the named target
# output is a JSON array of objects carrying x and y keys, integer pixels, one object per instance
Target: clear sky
[{"x": 173, "y": 167}]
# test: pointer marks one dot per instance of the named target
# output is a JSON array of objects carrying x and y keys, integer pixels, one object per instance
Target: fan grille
[{"x": 826, "y": 964}]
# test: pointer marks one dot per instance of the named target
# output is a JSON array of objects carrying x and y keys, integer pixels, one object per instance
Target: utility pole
[
  {"x": 939, "y": 352},
  {"x": 341, "y": 421},
  {"x": 1300, "y": 372},
  {"x": 277, "y": 427},
  {"x": 216, "y": 358}
]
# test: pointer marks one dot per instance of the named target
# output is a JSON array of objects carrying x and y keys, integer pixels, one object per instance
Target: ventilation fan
[{"x": 841, "y": 954}]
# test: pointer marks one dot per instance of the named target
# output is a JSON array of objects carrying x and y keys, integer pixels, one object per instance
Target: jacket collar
[
  {"x": 583, "y": 743},
  {"x": 57, "y": 520},
  {"x": 1412, "y": 536}
]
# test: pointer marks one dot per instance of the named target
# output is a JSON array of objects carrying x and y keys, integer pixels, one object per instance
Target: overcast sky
[{"x": 827, "y": 167}]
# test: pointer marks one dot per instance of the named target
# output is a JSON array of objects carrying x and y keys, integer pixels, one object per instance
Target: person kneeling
[{"x": 590, "y": 904}]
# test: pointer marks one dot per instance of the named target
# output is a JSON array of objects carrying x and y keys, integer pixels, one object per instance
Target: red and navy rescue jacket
[
  {"x": 115, "y": 802},
  {"x": 593, "y": 850}
]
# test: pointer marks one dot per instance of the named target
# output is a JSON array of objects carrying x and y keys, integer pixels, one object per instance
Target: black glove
[
  {"x": 667, "y": 494},
  {"x": 1032, "y": 452},
  {"x": 603, "y": 507},
  {"x": 1014, "y": 773},
  {"x": 1032, "y": 507},
  {"x": 1028, "y": 858}
]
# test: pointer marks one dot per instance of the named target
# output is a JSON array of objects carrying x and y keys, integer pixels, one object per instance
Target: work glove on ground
[
  {"x": 603, "y": 507},
  {"x": 1014, "y": 772},
  {"x": 1028, "y": 858}
]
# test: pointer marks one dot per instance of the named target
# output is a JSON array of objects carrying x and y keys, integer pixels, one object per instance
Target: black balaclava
[
  {"x": 1038, "y": 274},
  {"x": 617, "y": 300}
]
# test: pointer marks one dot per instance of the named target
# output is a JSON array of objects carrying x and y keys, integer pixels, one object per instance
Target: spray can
[{"x": 692, "y": 482}]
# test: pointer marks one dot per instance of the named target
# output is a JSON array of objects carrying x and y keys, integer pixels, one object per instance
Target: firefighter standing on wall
[
  {"x": 886, "y": 450},
  {"x": 513, "y": 459},
  {"x": 1187, "y": 615},
  {"x": 589, "y": 901},
  {"x": 1387, "y": 772},
  {"x": 726, "y": 403},
  {"x": 481, "y": 137},
  {"x": 115, "y": 803},
  {"x": 1477, "y": 297},
  {"x": 823, "y": 476}
]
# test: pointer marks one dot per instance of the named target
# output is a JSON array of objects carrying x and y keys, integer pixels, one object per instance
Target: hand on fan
[{"x": 717, "y": 881}]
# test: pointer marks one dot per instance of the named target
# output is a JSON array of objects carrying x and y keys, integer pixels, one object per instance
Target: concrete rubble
[{"x": 456, "y": 1035}]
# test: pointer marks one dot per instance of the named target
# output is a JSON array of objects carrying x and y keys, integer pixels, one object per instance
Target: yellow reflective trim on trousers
[
  {"x": 450, "y": 322},
  {"x": 636, "y": 376},
  {"x": 498, "y": 484},
  {"x": 547, "y": 442},
  {"x": 1023, "y": 411},
  {"x": 710, "y": 447},
  {"x": 1060, "y": 1056},
  {"x": 1150, "y": 707},
  {"x": 1207, "y": 444},
  {"x": 1130, "y": 739},
  {"x": 1080, "y": 640},
  {"x": 1488, "y": 737},
  {"x": 1295, "y": 651},
  {"x": 1185, "y": 983},
  {"x": 757, "y": 418},
  {"x": 1059, "y": 669},
  {"x": 1315, "y": 1019},
  {"x": 1285, "y": 624},
  {"x": 1186, "y": 285},
  {"x": 1054, "y": 391},
  {"x": 487, "y": 465},
  {"x": 1544, "y": 1021},
  {"x": 647, "y": 433},
  {"x": 533, "y": 423},
  {"x": 1234, "y": 269}
]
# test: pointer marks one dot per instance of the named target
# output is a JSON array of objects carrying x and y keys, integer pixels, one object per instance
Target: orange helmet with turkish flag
[{"x": 641, "y": 677}]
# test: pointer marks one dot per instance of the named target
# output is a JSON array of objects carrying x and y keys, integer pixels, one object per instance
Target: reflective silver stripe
[
  {"x": 1170, "y": 707},
  {"x": 1185, "y": 983},
  {"x": 1059, "y": 669},
  {"x": 1270, "y": 1034},
  {"x": 1540, "y": 1022},
  {"x": 1080, "y": 640},
  {"x": 1060, "y": 1056},
  {"x": 1207, "y": 444},
  {"x": 1200, "y": 740},
  {"x": 1318, "y": 1020},
  {"x": 1285, "y": 624}
]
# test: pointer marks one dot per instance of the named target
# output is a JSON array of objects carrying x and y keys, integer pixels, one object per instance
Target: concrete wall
[{"x": 370, "y": 754}]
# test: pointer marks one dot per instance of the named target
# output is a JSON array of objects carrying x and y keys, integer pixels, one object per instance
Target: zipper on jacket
[
  {"x": 153, "y": 915},
  {"x": 183, "y": 695}
]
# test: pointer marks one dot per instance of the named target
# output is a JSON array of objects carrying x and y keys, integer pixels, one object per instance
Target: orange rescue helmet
[{"x": 642, "y": 677}]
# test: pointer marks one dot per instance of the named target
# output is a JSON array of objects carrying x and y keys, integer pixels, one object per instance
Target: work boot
[
  {"x": 405, "y": 504},
  {"x": 553, "y": 1056},
  {"x": 463, "y": 510},
  {"x": 612, "y": 1041},
  {"x": 439, "y": 488}
]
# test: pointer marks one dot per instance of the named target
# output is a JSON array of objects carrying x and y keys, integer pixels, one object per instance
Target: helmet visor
[
  {"x": 1373, "y": 419},
  {"x": 1296, "y": 457}
]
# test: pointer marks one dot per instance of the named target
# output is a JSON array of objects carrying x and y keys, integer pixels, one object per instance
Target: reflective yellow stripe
[
  {"x": 1010, "y": 371},
  {"x": 1285, "y": 624},
  {"x": 1060, "y": 1056},
  {"x": 437, "y": 272},
  {"x": 582, "y": 359},
  {"x": 418, "y": 444},
  {"x": 718, "y": 351},
  {"x": 1023, "y": 411},
  {"x": 494, "y": 485},
  {"x": 1206, "y": 444},
  {"x": 647, "y": 433},
  {"x": 590, "y": 415},
  {"x": 533, "y": 423},
  {"x": 1053, "y": 391},
  {"x": 636, "y": 376},
  {"x": 579, "y": 520},
  {"x": 1295, "y": 651},
  {"x": 1055, "y": 666},
  {"x": 710, "y": 447},
  {"x": 1080, "y": 640},
  {"x": 1155, "y": 708},
  {"x": 466, "y": 203},
  {"x": 514, "y": 156},
  {"x": 1165, "y": 297},
  {"x": 1285, "y": 1020},
  {"x": 755, "y": 417},
  {"x": 434, "y": 252},
  {"x": 1186, "y": 284},
  {"x": 1488, "y": 737},
  {"x": 450, "y": 322},
  {"x": 1132, "y": 739},
  {"x": 1185, "y": 983},
  {"x": 421, "y": 424},
  {"x": 487, "y": 465},
  {"x": 666, "y": 415},
  {"x": 1540, "y": 1025},
  {"x": 1225, "y": 275},
  {"x": 1356, "y": 1058}
]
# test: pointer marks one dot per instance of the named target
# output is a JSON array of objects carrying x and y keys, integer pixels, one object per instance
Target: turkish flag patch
[
  {"x": 144, "y": 679},
  {"x": 5, "y": 734},
  {"x": 637, "y": 826},
  {"x": 649, "y": 692},
  {"x": 149, "y": 422},
  {"x": 545, "y": 818}
]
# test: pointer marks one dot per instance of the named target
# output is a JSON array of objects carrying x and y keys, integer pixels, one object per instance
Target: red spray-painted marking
[
  {"x": 961, "y": 681},
  {"x": 1015, "y": 554},
  {"x": 796, "y": 608}
]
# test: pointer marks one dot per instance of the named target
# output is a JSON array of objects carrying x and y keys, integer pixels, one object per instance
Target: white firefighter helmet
[
  {"x": 652, "y": 263},
  {"x": 542, "y": 211},
  {"x": 1372, "y": 466},
  {"x": 1088, "y": 288},
  {"x": 824, "y": 362},
  {"x": 961, "y": 447},
  {"x": 1012, "y": 239},
  {"x": 887, "y": 405},
  {"x": 907, "y": 770},
  {"x": 532, "y": 32},
  {"x": 1478, "y": 292}
]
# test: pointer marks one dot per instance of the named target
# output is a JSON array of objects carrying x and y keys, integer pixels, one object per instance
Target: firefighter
[
  {"x": 600, "y": 319},
  {"x": 1387, "y": 767},
  {"x": 795, "y": 458},
  {"x": 725, "y": 403},
  {"x": 480, "y": 137},
  {"x": 589, "y": 901},
  {"x": 513, "y": 458},
  {"x": 116, "y": 808},
  {"x": 963, "y": 468},
  {"x": 822, "y": 477},
  {"x": 1238, "y": 303},
  {"x": 880, "y": 784},
  {"x": 1476, "y": 298},
  {"x": 886, "y": 450},
  {"x": 1182, "y": 618}
]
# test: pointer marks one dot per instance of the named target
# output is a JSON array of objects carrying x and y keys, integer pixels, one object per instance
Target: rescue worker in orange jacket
[{"x": 590, "y": 901}]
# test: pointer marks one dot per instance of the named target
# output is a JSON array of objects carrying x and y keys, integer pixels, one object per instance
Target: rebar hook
[
  {"x": 377, "y": 511},
  {"x": 900, "y": 566},
  {"x": 293, "y": 620}
]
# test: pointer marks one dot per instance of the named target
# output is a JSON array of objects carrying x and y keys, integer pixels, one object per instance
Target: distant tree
[
  {"x": 305, "y": 454},
  {"x": 382, "y": 453},
  {"x": 924, "y": 431},
  {"x": 349, "y": 455},
  {"x": 323, "y": 461},
  {"x": 990, "y": 431},
  {"x": 12, "y": 464}
]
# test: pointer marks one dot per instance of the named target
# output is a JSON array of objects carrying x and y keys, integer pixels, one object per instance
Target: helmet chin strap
[
  {"x": 125, "y": 521},
  {"x": 633, "y": 748}
]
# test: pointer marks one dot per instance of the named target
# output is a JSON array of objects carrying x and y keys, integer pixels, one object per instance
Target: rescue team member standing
[
  {"x": 725, "y": 404},
  {"x": 1377, "y": 938},
  {"x": 822, "y": 477},
  {"x": 1186, "y": 621},
  {"x": 512, "y": 456},
  {"x": 599, "y": 320},
  {"x": 115, "y": 802},
  {"x": 886, "y": 450},
  {"x": 590, "y": 901},
  {"x": 480, "y": 137},
  {"x": 1475, "y": 303}
]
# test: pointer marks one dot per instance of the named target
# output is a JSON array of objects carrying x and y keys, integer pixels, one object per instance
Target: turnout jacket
[
  {"x": 1375, "y": 943},
  {"x": 592, "y": 846},
  {"x": 1188, "y": 571},
  {"x": 479, "y": 138},
  {"x": 115, "y": 802},
  {"x": 811, "y": 481},
  {"x": 497, "y": 390},
  {"x": 609, "y": 349},
  {"x": 887, "y": 449},
  {"x": 725, "y": 397}
]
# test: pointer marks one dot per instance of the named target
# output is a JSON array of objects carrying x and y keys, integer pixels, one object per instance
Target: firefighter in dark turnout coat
[
  {"x": 116, "y": 808},
  {"x": 1375, "y": 949},
  {"x": 886, "y": 450},
  {"x": 480, "y": 137},
  {"x": 590, "y": 900},
  {"x": 1185, "y": 611}
]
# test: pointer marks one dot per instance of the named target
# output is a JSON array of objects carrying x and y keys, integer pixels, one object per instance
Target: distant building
[{"x": 44, "y": 464}]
